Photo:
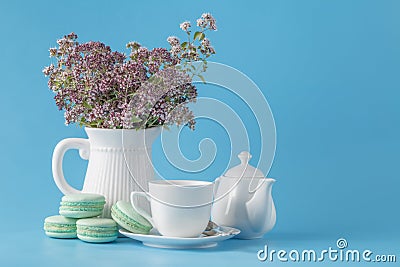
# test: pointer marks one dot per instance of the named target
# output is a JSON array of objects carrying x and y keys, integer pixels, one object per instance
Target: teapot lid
[{"x": 244, "y": 169}]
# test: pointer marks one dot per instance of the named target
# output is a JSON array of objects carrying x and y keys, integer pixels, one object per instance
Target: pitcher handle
[
  {"x": 143, "y": 213},
  {"x": 58, "y": 155}
]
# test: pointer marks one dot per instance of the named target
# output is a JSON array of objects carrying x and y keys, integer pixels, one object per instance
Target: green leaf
[
  {"x": 197, "y": 35},
  {"x": 202, "y": 36},
  {"x": 184, "y": 44},
  {"x": 93, "y": 124},
  {"x": 86, "y": 105},
  {"x": 136, "y": 119},
  {"x": 202, "y": 78}
]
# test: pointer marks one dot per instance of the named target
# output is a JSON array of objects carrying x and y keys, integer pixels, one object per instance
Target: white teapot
[{"x": 243, "y": 200}]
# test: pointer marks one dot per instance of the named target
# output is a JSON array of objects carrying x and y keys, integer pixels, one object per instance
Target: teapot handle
[{"x": 58, "y": 155}]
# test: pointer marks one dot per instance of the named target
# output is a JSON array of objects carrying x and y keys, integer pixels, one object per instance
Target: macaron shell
[
  {"x": 97, "y": 239},
  {"x": 79, "y": 213},
  {"x": 97, "y": 222},
  {"x": 57, "y": 219},
  {"x": 83, "y": 197},
  {"x": 61, "y": 235}
]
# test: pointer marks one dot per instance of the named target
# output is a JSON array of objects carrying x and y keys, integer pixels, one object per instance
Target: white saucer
[{"x": 154, "y": 239}]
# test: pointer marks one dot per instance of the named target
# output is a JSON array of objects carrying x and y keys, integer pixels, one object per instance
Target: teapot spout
[{"x": 261, "y": 208}]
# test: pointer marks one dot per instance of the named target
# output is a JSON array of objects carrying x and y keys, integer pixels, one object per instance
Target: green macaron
[
  {"x": 123, "y": 213},
  {"x": 60, "y": 227},
  {"x": 82, "y": 205},
  {"x": 97, "y": 230}
]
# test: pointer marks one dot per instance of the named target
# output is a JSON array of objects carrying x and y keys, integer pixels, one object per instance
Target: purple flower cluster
[
  {"x": 98, "y": 87},
  {"x": 167, "y": 92},
  {"x": 92, "y": 83},
  {"x": 207, "y": 21}
]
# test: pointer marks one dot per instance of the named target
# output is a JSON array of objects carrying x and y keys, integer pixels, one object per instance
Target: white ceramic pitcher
[{"x": 119, "y": 163}]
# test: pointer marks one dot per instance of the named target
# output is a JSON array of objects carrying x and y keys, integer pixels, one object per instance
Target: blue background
[{"x": 329, "y": 70}]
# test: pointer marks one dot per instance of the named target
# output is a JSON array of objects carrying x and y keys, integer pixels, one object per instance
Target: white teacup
[{"x": 180, "y": 208}]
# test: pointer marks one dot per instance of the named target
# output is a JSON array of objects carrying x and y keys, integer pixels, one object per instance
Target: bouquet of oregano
[{"x": 101, "y": 88}]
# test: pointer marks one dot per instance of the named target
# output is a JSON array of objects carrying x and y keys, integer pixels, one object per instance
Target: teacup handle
[
  {"x": 216, "y": 185},
  {"x": 146, "y": 215},
  {"x": 58, "y": 155}
]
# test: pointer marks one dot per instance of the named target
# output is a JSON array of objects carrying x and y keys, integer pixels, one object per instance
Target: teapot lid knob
[
  {"x": 244, "y": 169},
  {"x": 244, "y": 157}
]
